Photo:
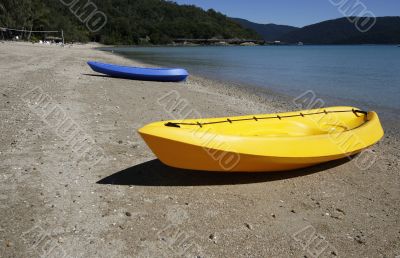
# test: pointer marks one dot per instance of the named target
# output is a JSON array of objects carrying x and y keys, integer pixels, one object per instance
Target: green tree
[{"x": 129, "y": 21}]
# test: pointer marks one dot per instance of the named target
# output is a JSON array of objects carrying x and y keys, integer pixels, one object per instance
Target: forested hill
[
  {"x": 269, "y": 32},
  {"x": 128, "y": 21},
  {"x": 386, "y": 30}
]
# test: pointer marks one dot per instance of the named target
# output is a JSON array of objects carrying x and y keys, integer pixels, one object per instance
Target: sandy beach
[{"x": 76, "y": 180}]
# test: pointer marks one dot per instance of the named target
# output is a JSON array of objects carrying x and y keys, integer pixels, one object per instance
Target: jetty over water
[{"x": 219, "y": 41}]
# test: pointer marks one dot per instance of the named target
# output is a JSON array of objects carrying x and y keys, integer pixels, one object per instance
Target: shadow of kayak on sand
[{"x": 155, "y": 173}]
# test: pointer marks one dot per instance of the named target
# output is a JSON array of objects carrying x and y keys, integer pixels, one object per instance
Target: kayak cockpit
[{"x": 290, "y": 126}]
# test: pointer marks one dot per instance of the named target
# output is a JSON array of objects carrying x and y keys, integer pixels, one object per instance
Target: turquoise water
[{"x": 366, "y": 76}]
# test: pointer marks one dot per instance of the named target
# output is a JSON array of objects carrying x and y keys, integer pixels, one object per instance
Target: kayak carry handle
[
  {"x": 356, "y": 112},
  {"x": 170, "y": 124}
]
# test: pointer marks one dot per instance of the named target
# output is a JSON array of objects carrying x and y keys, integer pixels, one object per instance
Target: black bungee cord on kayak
[{"x": 355, "y": 111}]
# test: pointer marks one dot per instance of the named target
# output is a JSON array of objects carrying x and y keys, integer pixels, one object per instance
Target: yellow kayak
[{"x": 261, "y": 143}]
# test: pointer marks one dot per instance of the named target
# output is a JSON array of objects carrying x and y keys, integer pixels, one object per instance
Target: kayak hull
[
  {"x": 290, "y": 141},
  {"x": 140, "y": 73},
  {"x": 194, "y": 158}
]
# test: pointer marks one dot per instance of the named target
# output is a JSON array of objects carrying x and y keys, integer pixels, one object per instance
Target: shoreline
[
  {"x": 129, "y": 204},
  {"x": 280, "y": 102}
]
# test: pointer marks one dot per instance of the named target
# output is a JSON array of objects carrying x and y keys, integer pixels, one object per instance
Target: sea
[{"x": 365, "y": 76}]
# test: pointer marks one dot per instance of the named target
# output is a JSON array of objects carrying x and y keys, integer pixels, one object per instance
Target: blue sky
[{"x": 291, "y": 12}]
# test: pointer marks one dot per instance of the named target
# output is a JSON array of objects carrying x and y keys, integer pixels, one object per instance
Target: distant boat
[
  {"x": 140, "y": 73},
  {"x": 300, "y": 43}
]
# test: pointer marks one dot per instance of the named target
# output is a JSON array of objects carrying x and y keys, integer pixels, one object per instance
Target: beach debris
[
  {"x": 273, "y": 215},
  {"x": 341, "y": 211},
  {"x": 338, "y": 214},
  {"x": 249, "y": 226},
  {"x": 212, "y": 237},
  {"x": 128, "y": 214},
  {"x": 360, "y": 239}
]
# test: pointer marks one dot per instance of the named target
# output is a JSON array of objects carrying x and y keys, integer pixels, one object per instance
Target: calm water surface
[{"x": 366, "y": 76}]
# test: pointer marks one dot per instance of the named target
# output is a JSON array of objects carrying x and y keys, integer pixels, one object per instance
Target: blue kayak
[{"x": 140, "y": 73}]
